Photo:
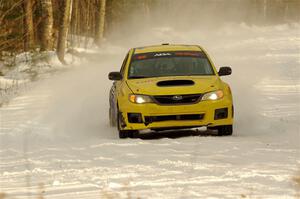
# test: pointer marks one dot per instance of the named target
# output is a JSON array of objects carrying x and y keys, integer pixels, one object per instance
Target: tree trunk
[
  {"x": 286, "y": 11},
  {"x": 63, "y": 30},
  {"x": 47, "y": 27},
  {"x": 147, "y": 10},
  {"x": 28, "y": 25},
  {"x": 265, "y": 7},
  {"x": 100, "y": 22}
]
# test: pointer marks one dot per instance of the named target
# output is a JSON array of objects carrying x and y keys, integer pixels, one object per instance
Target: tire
[
  {"x": 128, "y": 134},
  {"x": 125, "y": 133},
  {"x": 112, "y": 120},
  {"x": 225, "y": 130}
]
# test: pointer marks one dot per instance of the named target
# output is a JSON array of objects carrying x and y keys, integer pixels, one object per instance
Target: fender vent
[{"x": 175, "y": 83}]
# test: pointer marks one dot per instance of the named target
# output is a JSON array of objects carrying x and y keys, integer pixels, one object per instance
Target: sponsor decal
[
  {"x": 141, "y": 57},
  {"x": 162, "y": 54},
  {"x": 154, "y": 55},
  {"x": 188, "y": 54}
]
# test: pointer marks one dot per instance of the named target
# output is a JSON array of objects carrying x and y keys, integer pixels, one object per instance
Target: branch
[{"x": 9, "y": 10}]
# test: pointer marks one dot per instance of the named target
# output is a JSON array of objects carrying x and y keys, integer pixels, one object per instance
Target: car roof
[{"x": 166, "y": 48}]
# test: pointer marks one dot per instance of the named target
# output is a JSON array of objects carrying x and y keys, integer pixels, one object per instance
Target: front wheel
[
  {"x": 225, "y": 130},
  {"x": 125, "y": 133}
]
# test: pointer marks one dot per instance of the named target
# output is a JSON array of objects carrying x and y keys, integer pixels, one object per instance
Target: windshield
[{"x": 160, "y": 64}]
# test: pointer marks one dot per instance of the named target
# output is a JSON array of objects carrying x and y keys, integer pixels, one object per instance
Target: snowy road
[{"x": 58, "y": 135}]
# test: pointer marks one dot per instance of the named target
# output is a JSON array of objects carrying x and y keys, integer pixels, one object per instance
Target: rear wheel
[
  {"x": 225, "y": 130},
  {"x": 125, "y": 133}
]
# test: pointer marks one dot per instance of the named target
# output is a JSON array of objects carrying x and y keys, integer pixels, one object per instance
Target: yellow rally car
[{"x": 169, "y": 87}]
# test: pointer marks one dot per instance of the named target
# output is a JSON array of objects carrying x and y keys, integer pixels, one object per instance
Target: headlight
[
  {"x": 140, "y": 99},
  {"x": 215, "y": 95}
]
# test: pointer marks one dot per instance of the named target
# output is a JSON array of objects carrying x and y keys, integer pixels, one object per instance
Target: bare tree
[
  {"x": 47, "y": 27},
  {"x": 100, "y": 22},
  {"x": 147, "y": 9},
  {"x": 63, "y": 30},
  {"x": 28, "y": 25}
]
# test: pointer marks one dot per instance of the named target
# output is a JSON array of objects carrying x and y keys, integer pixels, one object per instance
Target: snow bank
[{"x": 30, "y": 67}]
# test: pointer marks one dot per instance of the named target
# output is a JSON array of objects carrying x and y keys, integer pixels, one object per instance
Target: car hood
[{"x": 174, "y": 85}]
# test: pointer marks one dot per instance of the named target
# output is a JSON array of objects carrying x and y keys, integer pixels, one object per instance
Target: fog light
[
  {"x": 221, "y": 113},
  {"x": 135, "y": 118}
]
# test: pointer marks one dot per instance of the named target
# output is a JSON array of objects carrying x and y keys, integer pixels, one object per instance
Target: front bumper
[{"x": 154, "y": 116}]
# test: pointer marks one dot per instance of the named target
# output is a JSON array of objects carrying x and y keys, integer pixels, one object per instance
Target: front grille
[
  {"x": 177, "y": 99},
  {"x": 161, "y": 118}
]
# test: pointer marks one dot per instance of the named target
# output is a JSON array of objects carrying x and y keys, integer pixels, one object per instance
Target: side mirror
[
  {"x": 115, "y": 76},
  {"x": 225, "y": 70}
]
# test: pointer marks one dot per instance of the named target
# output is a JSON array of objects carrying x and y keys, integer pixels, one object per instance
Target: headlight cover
[
  {"x": 214, "y": 95},
  {"x": 140, "y": 99}
]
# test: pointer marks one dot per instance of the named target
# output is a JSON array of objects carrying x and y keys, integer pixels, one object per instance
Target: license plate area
[{"x": 180, "y": 117}]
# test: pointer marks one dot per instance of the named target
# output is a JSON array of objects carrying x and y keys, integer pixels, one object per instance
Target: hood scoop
[{"x": 168, "y": 83}]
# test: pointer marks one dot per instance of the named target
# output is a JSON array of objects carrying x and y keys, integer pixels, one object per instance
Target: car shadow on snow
[{"x": 174, "y": 134}]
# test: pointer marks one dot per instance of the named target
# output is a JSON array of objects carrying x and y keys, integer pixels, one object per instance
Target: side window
[{"x": 124, "y": 64}]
